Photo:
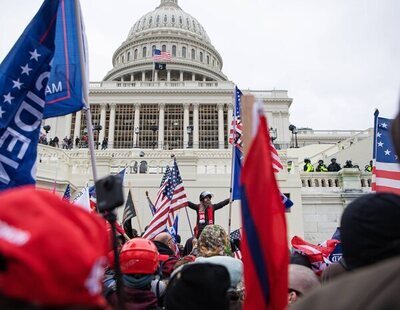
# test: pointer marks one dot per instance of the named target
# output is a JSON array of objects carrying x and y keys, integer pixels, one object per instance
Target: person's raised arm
[
  {"x": 192, "y": 205},
  {"x": 221, "y": 204}
]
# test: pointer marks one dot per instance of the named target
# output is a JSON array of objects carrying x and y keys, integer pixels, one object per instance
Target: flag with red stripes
[
  {"x": 386, "y": 169},
  {"x": 318, "y": 255},
  {"x": 170, "y": 198},
  {"x": 276, "y": 161}
]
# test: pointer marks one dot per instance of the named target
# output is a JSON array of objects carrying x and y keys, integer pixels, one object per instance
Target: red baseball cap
[{"x": 54, "y": 252}]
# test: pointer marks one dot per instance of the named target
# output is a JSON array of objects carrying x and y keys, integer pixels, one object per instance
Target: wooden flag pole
[{"x": 247, "y": 121}]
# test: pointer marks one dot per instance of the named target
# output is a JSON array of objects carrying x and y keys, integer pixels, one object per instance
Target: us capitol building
[{"x": 186, "y": 110}]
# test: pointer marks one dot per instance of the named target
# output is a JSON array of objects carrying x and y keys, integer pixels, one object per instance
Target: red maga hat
[{"x": 54, "y": 252}]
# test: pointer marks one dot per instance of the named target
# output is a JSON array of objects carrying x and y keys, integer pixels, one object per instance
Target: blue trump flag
[
  {"x": 65, "y": 88},
  {"x": 236, "y": 139},
  {"x": 24, "y": 82}
]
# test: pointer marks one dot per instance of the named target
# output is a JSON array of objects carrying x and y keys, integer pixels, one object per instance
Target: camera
[{"x": 109, "y": 193}]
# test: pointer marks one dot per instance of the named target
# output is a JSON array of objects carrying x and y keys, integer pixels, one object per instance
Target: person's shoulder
[{"x": 381, "y": 293}]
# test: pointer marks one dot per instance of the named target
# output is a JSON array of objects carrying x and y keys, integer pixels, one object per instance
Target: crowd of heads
[{"x": 54, "y": 255}]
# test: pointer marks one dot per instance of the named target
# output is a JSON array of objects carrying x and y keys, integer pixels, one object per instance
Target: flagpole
[
  {"x": 232, "y": 161},
  {"x": 137, "y": 214},
  {"x": 85, "y": 92},
  {"x": 190, "y": 225}
]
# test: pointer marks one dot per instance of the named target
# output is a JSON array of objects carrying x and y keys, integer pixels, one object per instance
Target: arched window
[
  {"x": 201, "y": 56},
  {"x": 173, "y": 19},
  {"x": 164, "y": 48},
  {"x": 122, "y": 59},
  {"x": 152, "y": 49},
  {"x": 143, "y": 167},
  {"x": 144, "y": 21},
  {"x": 187, "y": 22},
  {"x": 184, "y": 52},
  {"x": 193, "y": 54},
  {"x": 150, "y": 20},
  {"x": 213, "y": 62},
  {"x": 174, "y": 50},
  {"x": 180, "y": 20},
  {"x": 144, "y": 52},
  {"x": 158, "y": 19},
  {"x": 194, "y": 26},
  {"x": 128, "y": 56},
  {"x": 135, "y": 54},
  {"x": 165, "y": 18},
  {"x": 208, "y": 60}
]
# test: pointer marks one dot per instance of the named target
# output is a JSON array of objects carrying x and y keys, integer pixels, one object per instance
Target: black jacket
[{"x": 200, "y": 226}]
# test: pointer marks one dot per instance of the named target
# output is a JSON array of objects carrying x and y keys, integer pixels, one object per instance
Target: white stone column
[
  {"x": 102, "y": 122},
  {"x": 196, "y": 125},
  {"x": 161, "y": 125},
  {"x": 143, "y": 76},
  {"x": 181, "y": 76},
  {"x": 168, "y": 75},
  {"x": 111, "y": 126},
  {"x": 132, "y": 77},
  {"x": 229, "y": 124},
  {"x": 77, "y": 129},
  {"x": 204, "y": 78},
  {"x": 156, "y": 76},
  {"x": 185, "y": 125},
  {"x": 136, "y": 124},
  {"x": 221, "y": 140},
  {"x": 193, "y": 76},
  {"x": 68, "y": 124}
]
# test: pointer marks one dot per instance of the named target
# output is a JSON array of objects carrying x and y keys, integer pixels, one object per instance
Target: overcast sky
[{"x": 338, "y": 59}]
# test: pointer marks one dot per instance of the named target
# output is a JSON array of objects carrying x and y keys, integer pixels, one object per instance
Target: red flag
[{"x": 265, "y": 248}]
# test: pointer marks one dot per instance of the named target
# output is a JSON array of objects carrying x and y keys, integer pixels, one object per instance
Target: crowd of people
[
  {"x": 59, "y": 257},
  {"x": 67, "y": 143},
  {"x": 333, "y": 166}
]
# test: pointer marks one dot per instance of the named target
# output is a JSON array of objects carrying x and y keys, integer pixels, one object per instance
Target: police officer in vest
[
  {"x": 308, "y": 167},
  {"x": 321, "y": 166},
  {"x": 368, "y": 168},
  {"x": 206, "y": 210}
]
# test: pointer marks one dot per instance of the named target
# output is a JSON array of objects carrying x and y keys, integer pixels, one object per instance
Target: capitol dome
[{"x": 167, "y": 28}]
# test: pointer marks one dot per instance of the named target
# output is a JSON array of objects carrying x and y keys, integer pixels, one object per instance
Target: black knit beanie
[{"x": 370, "y": 229}]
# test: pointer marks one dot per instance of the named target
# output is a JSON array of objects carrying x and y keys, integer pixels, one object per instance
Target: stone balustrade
[{"x": 346, "y": 179}]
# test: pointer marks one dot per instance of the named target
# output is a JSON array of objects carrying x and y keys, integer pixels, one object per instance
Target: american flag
[
  {"x": 159, "y": 56},
  {"x": 67, "y": 193},
  {"x": 170, "y": 198},
  {"x": 386, "y": 170},
  {"x": 236, "y": 131},
  {"x": 318, "y": 255},
  {"x": 235, "y": 237}
]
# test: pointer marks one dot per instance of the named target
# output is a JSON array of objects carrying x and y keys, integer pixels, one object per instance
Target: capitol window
[
  {"x": 184, "y": 52},
  {"x": 165, "y": 18},
  {"x": 208, "y": 60},
  {"x": 187, "y": 22},
  {"x": 144, "y": 53},
  {"x": 193, "y": 54},
  {"x": 128, "y": 56},
  {"x": 174, "y": 50},
  {"x": 201, "y": 56},
  {"x": 180, "y": 20},
  {"x": 194, "y": 26},
  {"x": 152, "y": 49},
  {"x": 150, "y": 20},
  {"x": 158, "y": 19},
  {"x": 134, "y": 54},
  {"x": 164, "y": 48},
  {"x": 173, "y": 19}
]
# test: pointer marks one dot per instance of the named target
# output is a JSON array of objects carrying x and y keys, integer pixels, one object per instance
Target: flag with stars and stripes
[
  {"x": 170, "y": 198},
  {"x": 160, "y": 56},
  {"x": 40, "y": 77},
  {"x": 235, "y": 237},
  {"x": 67, "y": 193},
  {"x": 386, "y": 168}
]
